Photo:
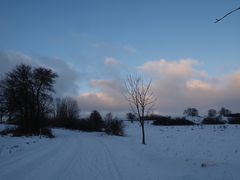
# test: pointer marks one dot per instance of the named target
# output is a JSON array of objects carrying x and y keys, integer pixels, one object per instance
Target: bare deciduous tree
[
  {"x": 130, "y": 116},
  {"x": 67, "y": 109},
  {"x": 140, "y": 98},
  {"x": 26, "y": 93},
  {"x": 190, "y": 112}
]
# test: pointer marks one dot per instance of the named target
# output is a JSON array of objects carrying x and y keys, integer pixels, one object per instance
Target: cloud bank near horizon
[{"x": 177, "y": 84}]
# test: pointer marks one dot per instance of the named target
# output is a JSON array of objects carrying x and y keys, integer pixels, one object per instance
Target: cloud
[
  {"x": 198, "y": 85},
  {"x": 169, "y": 69},
  {"x": 112, "y": 47},
  {"x": 176, "y": 84},
  {"x": 108, "y": 96},
  {"x": 10, "y": 59},
  {"x": 67, "y": 82},
  {"x": 179, "y": 84},
  {"x": 130, "y": 49},
  {"x": 110, "y": 61}
]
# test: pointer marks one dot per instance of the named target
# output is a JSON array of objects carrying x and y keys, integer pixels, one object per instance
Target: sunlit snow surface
[{"x": 171, "y": 153}]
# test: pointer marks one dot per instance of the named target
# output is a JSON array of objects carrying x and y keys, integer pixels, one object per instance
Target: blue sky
[{"x": 83, "y": 34}]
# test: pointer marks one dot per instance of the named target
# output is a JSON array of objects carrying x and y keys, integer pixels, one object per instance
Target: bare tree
[
  {"x": 190, "y": 112},
  {"x": 217, "y": 20},
  {"x": 224, "y": 112},
  {"x": 26, "y": 93},
  {"x": 212, "y": 113},
  {"x": 67, "y": 109},
  {"x": 130, "y": 116},
  {"x": 140, "y": 98}
]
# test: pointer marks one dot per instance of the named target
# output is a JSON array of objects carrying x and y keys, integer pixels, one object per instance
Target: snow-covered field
[{"x": 171, "y": 153}]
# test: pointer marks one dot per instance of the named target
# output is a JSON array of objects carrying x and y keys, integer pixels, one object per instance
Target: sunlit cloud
[
  {"x": 108, "y": 96},
  {"x": 177, "y": 84},
  {"x": 199, "y": 85},
  {"x": 163, "y": 68}
]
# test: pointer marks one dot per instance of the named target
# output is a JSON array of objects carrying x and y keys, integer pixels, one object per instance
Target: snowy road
[
  {"x": 171, "y": 154},
  {"x": 71, "y": 155}
]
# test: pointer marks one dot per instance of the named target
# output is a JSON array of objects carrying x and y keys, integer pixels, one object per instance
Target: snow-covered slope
[{"x": 171, "y": 153}]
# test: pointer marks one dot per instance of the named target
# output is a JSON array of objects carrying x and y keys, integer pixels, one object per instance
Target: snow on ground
[{"x": 171, "y": 153}]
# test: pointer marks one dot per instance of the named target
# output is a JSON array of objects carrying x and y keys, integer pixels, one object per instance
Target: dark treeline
[
  {"x": 213, "y": 116},
  {"x": 26, "y": 99},
  {"x": 25, "y": 94}
]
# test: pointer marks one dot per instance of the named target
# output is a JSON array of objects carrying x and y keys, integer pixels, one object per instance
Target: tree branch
[{"x": 217, "y": 20}]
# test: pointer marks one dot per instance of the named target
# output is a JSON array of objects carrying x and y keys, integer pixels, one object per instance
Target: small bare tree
[{"x": 140, "y": 98}]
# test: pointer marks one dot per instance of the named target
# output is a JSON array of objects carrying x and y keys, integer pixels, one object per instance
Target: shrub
[
  {"x": 95, "y": 121},
  {"x": 73, "y": 124},
  {"x": 235, "y": 120},
  {"x": 183, "y": 121},
  {"x": 86, "y": 125},
  {"x": 7, "y": 131},
  {"x": 209, "y": 120},
  {"x": 21, "y": 131},
  {"x": 114, "y": 127},
  {"x": 162, "y": 120},
  {"x": 168, "y": 121},
  {"x": 65, "y": 123},
  {"x": 46, "y": 132},
  {"x": 131, "y": 117}
]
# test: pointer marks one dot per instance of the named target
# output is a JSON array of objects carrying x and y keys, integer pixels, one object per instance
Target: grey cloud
[
  {"x": 66, "y": 83},
  {"x": 10, "y": 59}
]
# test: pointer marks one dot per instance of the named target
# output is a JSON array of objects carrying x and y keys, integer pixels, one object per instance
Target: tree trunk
[
  {"x": 38, "y": 108},
  {"x": 143, "y": 133}
]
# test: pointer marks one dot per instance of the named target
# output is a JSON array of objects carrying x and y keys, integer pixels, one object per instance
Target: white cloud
[
  {"x": 178, "y": 84},
  {"x": 162, "y": 68},
  {"x": 110, "y": 61},
  {"x": 108, "y": 96},
  {"x": 199, "y": 85}
]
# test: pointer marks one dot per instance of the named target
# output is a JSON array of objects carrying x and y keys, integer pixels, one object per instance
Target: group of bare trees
[
  {"x": 25, "y": 94},
  {"x": 212, "y": 113},
  {"x": 26, "y": 99},
  {"x": 66, "y": 108}
]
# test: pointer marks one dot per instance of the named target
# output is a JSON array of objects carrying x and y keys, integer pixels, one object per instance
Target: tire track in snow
[
  {"x": 111, "y": 161},
  {"x": 38, "y": 161},
  {"x": 93, "y": 160},
  {"x": 75, "y": 156},
  {"x": 24, "y": 154}
]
